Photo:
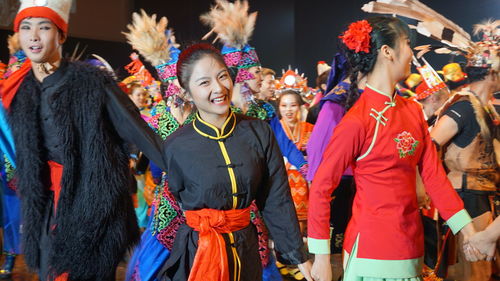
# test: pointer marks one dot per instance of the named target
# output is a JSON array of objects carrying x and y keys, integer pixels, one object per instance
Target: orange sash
[{"x": 210, "y": 261}]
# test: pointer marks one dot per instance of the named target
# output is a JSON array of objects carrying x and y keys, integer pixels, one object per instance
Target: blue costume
[{"x": 11, "y": 217}]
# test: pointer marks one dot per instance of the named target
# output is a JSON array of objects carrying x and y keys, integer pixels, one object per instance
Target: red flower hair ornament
[{"x": 357, "y": 36}]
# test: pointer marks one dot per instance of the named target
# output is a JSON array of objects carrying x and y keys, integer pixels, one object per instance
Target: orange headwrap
[{"x": 41, "y": 12}]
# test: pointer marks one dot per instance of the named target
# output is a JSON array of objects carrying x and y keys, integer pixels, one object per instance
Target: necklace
[{"x": 293, "y": 136}]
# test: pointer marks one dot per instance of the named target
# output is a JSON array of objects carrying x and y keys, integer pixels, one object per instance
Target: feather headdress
[
  {"x": 148, "y": 37},
  {"x": 430, "y": 23},
  {"x": 77, "y": 53},
  {"x": 489, "y": 29},
  {"x": 231, "y": 22},
  {"x": 13, "y": 43},
  {"x": 17, "y": 55},
  {"x": 436, "y": 26}
]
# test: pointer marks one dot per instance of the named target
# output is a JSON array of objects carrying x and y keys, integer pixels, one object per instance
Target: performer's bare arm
[{"x": 444, "y": 130}]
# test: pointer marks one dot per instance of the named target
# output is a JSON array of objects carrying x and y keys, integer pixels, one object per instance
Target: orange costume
[{"x": 298, "y": 184}]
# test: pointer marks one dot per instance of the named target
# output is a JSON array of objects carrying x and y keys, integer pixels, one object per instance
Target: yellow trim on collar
[{"x": 217, "y": 131}]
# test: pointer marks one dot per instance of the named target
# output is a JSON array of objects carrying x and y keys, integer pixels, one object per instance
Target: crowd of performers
[{"x": 215, "y": 168}]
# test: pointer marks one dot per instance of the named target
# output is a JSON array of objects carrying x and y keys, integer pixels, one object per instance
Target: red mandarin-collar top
[{"x": 385, "y": 212}]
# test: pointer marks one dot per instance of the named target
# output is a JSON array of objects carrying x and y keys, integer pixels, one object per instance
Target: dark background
[{"x": 288, "y": 32}]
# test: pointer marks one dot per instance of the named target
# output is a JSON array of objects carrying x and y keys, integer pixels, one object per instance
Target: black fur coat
[{"x": 95, "y": 219}]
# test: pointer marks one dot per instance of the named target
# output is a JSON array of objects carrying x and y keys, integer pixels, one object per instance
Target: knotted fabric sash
[{"x": 210, "y": 262}]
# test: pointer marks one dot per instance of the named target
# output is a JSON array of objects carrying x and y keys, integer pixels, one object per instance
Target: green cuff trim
[
  {"x": 458, "y": 221},
  {"x": 318, "y": 246}
]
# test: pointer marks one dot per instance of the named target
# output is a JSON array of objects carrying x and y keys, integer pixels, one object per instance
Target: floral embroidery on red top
[{"x": 406, "y": 144}]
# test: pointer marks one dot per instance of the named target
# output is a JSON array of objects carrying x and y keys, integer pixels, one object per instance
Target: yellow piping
[
  {"x": 232, "y": 177},
  {"x": 237, "y": 262},
  {"x": 234, "y": 187}
]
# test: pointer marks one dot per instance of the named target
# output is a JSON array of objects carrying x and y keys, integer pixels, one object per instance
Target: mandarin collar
[
  {"x": 55, "y": 78},
  {"x": 380, "y": 94},
  {"x": 210, "y": 131}
]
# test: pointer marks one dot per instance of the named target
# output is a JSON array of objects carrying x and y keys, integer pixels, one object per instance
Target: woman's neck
[
  {"x": 181, "y": 112},
  {"x": 380, "y": 81},
  {"x": 291, "y": 124},
  {"x": 482, "y": 89},
  {"x": 214, "y": 119}
]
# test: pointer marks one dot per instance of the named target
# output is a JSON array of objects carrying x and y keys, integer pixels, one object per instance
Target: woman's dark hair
[
  {"x": 475, "y": 74},
  {"x": 189, "y": 57},
  {"x": 233, "y": 72},
  {"x": 322, "y": 78},
  {"x": 385, "y": 31},
  {"x": 297, "y": 96}
]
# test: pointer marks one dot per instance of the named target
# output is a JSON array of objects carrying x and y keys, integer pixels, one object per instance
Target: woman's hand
[
  {"x": 321, "y": 269},
  {"x": 484, "y": 243},
  {"x": 471, "y": 253},
  {"x": 305, "y": 268}
]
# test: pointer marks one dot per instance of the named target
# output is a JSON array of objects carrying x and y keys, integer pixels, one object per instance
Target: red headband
[{"x": 40, "y": 12}]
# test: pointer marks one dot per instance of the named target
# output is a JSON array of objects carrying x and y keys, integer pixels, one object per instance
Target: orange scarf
[
  {"x": 9, "y": 86},
  {"x": 210, "y": 261}
]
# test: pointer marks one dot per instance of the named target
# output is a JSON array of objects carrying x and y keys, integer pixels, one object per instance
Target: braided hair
[{"x": 385, "y": 31}]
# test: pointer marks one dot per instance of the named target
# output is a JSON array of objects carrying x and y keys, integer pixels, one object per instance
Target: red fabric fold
[
  {"x": 56, "y": 171},
  {"x": 9, "y": 86},
  {"x": 210, "y": 262}
]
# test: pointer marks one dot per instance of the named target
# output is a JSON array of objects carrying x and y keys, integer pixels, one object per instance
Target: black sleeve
[
  {"x": 463, "y": 114},
  {"x": 275, "y": 202},
  {"x": 142, "y": 164},
  {"x": 131, "y": 127},
  {"x": 312, "y": 114}
]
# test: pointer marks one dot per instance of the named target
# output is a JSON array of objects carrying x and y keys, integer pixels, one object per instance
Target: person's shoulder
[
  {"x": 88, "y": 72},
  {"x": 460, "y": 108},
  {"x": 409, "y": 104},
  {"x": 249, "y": 121},
  {"x": 271, "y": 111},
  {"x": 180, "y": 137},
  {"x": 253, "y": 126}
]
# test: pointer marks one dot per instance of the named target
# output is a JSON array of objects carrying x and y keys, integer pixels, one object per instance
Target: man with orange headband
[
  {"x": 431, "y": 98},
  {"x": 68, "y": 120}
]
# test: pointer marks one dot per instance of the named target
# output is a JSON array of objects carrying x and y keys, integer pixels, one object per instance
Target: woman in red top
[{"x": 384, "y": 138}]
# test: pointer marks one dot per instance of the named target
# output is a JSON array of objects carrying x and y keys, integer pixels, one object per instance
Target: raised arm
[{"x": 131, "y": 127}]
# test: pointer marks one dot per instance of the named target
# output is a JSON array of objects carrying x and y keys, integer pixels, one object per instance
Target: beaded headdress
[{"x": 234, "y": 26}]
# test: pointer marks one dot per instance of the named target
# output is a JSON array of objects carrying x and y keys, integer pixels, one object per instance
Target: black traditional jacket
[
  {"x": 226, "y": 169},
  {"x": 77, "y": 117}
]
